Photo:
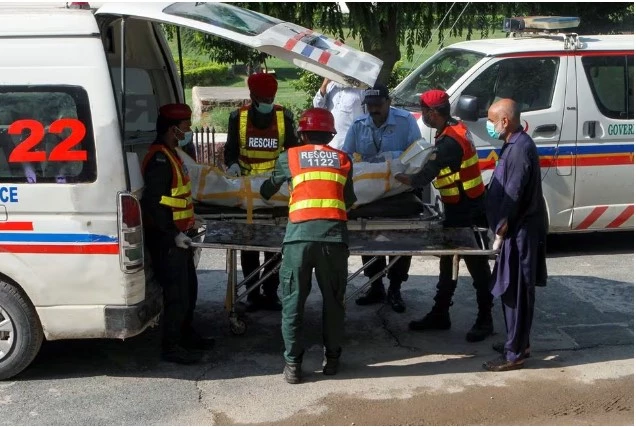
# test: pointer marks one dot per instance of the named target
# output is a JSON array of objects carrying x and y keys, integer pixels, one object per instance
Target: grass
[{"x": 287, "y": 73}]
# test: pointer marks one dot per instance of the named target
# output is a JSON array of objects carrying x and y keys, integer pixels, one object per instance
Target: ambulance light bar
[{"x": 534, "y": 23}]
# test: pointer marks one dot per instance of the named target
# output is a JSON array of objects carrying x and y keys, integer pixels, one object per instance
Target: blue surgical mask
[
  {"x": 264, "y": 108},
  {"x": 492, "y": 132},
  {"x": 187, "y": 138}
]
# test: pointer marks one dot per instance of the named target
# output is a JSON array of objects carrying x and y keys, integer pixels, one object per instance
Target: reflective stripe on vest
[
  {"x": 180, "y": 199},
  {"x": 255, "y": 161},
  {"x": 317, "y": 191},
  {"x": 469, "y": 174}
]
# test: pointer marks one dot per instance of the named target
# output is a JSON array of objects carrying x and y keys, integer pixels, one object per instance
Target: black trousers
[
  {"x": 479, "y": 270},
  {"x": 250, "y": 261},
  {"x": 398, "y": 273},
  {"x": 174, "y": 269}
]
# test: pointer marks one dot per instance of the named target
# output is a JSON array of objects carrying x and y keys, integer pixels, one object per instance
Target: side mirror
[{"x": 467, "y": 108}]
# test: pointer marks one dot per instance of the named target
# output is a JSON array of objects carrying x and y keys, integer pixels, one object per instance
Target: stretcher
[{"x": 415, "y": 231}]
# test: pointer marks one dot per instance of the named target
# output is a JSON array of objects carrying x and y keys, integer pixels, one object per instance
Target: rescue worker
[
  {"x": 383, "y": 133},
  {"x": 257, "y": 134},
  {"x": 516, "y": 214},
  {"x": 454, "y": 171},
  {"x": 316, "y": 238},
  {"x": 168, "y": 219}
]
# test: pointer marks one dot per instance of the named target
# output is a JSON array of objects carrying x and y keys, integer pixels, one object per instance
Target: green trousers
[{"x": 330, "y": 261}]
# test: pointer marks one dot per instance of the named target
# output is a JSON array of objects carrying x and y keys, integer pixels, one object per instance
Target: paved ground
[{"x": 581, "y": 370}]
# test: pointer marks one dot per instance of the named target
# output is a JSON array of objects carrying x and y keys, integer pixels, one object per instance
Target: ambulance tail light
[{"x": 131, "y": 238}]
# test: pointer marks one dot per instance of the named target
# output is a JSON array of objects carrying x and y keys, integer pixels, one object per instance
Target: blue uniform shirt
[{"x": 395, "y": 135}]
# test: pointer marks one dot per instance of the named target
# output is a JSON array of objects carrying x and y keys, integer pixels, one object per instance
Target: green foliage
[
  {"x": 398, "y": 74},
  {"x": 308, "y": 83},
  {"x": 207, "y": 75}
]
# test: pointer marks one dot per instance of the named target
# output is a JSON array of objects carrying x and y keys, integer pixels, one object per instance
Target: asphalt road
[{"x": 582, "y": 342}]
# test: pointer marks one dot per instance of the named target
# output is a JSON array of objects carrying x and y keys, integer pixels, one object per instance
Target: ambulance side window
[
  {"x": 612, "y": 81},
  {"x": 529, "y": 81},
  {"x": 46, "y": 135}
]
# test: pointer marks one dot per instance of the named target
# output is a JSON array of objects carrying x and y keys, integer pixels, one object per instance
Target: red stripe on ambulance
[
  {"x": 620, "y": 219},
  {"x": 592, "y": 217},
  {"x": 106, "y": 249},
  {"x": 16, "y": 226}
]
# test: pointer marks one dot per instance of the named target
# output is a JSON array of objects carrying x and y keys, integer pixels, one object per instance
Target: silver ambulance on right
[{"x": 577, "y": 99}]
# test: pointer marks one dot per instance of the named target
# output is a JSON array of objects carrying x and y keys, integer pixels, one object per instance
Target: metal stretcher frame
[{"x": 430, "y": 239}]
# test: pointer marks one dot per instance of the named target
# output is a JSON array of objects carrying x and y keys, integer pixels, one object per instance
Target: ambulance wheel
[
  {"x": 20, "y": 331},
  {"x": 237, "y": 326}
]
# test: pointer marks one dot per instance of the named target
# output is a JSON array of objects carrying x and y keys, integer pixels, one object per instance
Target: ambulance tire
[{"x": 26, "y": 331}]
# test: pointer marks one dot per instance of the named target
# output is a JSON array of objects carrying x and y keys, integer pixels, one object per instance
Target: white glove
[
  {"x": 234, "y": 170},
  {"x": 498, "y": 242},
  {"x": 182, "y": 241}
]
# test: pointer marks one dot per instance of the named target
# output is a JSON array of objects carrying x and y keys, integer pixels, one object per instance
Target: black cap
[{"x": 376, "y": 95}]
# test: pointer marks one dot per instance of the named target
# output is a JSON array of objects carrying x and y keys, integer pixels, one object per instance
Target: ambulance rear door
[{"x": 303, "y": 47}]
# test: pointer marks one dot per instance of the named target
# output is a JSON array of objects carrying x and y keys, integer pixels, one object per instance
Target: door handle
[
  {"x": 589, "y": 128},
  {"x": 546, "y": 128}
]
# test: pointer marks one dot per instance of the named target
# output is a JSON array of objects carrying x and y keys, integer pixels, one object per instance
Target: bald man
[{"x": 516, "y": 215}]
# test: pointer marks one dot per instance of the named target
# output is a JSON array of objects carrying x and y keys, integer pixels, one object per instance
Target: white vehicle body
[
  {"x": 577, "y": 105},
  {"x": 71, "y": 242}
]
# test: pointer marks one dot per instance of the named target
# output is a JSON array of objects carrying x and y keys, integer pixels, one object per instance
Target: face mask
[
  {"x": 187, "y": 138},
  {"x": 264, "y": 108},
  {"x": 492, "y": 132}
]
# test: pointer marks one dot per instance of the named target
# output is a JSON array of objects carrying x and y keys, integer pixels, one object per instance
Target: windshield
[
  {"x": 225, "y": 16},
  {"x": 441, "y": 71}
]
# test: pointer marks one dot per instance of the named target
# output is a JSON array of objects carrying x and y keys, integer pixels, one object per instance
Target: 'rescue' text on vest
[
  {"x": 266, "y": 143},
  {"x": 312, "y": 159}
]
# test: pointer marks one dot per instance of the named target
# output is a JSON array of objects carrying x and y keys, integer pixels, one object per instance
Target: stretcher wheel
[{"x": 237, "y": 326}]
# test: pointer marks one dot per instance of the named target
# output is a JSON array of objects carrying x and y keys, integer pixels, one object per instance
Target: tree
[{"x": 382, "y": 27}]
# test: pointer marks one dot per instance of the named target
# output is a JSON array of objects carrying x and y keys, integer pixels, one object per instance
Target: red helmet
[{"x": 316, "y": 120}]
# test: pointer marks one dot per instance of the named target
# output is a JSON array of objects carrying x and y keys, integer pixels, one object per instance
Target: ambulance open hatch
[{"x": 304, "y": 48}]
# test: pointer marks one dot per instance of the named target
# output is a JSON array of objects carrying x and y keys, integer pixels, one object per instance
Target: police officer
[
  {"x": 454, "y": 170},
  {"x": 316, "y": 236},
  {"x": 169, "y": 218},
  {"x": 257, "y": 134},
  {"x": 383, "y": 133}
]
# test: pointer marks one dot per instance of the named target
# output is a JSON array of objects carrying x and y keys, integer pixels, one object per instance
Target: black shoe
[
  {"x": 180, "y": 355},
  {"x": 482, "y": 328},
  {"x": 271, "y": 303},
  {"x": 499, "y": 348},
  {"x": 394, "y": 298},
  {"x": 292, "y": 373},
  {"x": 433, "y": 320},
  {"x": 374, "y": 295},
  {"x": 194, "y": 341},
  {"x": 331, "y": 366},
  {"x": 254, "y": 303}
]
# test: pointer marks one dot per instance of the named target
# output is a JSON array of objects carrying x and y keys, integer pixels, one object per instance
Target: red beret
[
  {"x": 262, "y": 85},
  {"x": 434, "y": 98},
  {"x": 176, "y": 111}
]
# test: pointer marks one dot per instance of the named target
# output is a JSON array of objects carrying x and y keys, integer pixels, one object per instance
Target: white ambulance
[
  {"x": 72, "y": 261},
  {"x": 577, "y": 102}
]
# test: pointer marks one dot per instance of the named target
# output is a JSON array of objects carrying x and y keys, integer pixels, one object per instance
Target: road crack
[{"x": 393, "y": 335}]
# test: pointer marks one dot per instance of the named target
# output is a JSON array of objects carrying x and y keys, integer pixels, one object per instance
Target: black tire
[{"x": 26, "y": 335}]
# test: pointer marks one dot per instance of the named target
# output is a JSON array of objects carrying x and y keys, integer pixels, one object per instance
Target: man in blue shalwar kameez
[{"x": 516, "y": 214}]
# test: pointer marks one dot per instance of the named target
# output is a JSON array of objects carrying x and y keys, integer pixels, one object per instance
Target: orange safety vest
[
  {"x": 469, "y": 174},
  {"x": 259, "y": 148},
  {"x": 180, "y": 199},
  {"x": 319, "y": 174}
]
